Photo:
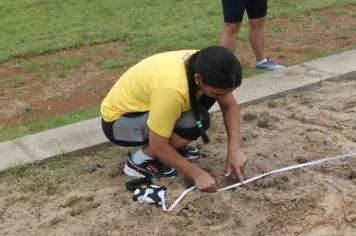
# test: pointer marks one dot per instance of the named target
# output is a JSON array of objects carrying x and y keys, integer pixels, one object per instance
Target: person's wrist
[
  {"x": 233, "y": 149},
  {"x": 197, "y": 174}
]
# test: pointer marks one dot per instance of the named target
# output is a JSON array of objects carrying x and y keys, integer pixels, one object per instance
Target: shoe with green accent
[
  {"x": 189, "y": 152},
  {"x": 148, "y": 168}
]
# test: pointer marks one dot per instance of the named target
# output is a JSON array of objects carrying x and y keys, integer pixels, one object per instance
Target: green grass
[
  {"x": 30, "y": 125},
  {"x": 292, "y": 9},
  {"x": 63, "y": 63},
  {"x": 15, "y": 81},
  {"x": 45, "y": 26},
  {"x": 115, "y": 63},
  {"x": 58, "y": 173},
  {"x": 58, "y": 67},
  {"x": 319, "y": 55},
  {"x": 36, "y": 27},
  {"x": 348, "y": 31},
  {"x": 34, "y": 176}
]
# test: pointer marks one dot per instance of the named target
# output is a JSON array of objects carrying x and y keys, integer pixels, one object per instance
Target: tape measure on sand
[{"x": 145, "y": 192}]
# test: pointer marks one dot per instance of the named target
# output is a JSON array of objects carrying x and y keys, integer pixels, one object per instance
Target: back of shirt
[{"x": 157, "y": 84}]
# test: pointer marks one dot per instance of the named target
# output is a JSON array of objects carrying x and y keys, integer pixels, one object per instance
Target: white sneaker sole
[
  {"x": 191, "y": 157},
  {"x": 131, "y": 172}
]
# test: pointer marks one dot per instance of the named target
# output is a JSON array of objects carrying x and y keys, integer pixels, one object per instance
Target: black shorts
[{"x": 234, "y": 9}]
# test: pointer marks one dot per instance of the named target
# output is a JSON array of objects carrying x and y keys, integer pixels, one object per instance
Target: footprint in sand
[{"x": 80, "y": 204}]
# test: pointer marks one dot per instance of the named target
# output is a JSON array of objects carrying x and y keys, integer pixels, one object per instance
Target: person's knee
[
  {"x": 232, "y": 29},
  {"x": 257, "y": 23},
  {"x": 194, "y": 132}
]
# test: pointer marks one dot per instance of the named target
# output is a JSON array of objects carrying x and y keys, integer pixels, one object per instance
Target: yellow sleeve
[{"x": 165, "y": 109}]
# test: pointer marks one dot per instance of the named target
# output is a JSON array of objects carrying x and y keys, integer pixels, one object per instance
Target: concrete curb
[{"x": 87, "y": 135}]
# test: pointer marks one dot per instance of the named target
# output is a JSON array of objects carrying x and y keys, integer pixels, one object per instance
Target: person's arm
[
  {"x": 235, "y": 158},
  {"x": 163, "y": 115},
  {"x": 159, "y": 147}
]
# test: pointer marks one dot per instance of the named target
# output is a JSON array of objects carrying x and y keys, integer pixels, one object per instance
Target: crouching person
[{"x": 162, "y": 103}]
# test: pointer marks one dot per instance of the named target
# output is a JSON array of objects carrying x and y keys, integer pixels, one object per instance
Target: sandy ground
[{"x": 319, "y": 200}]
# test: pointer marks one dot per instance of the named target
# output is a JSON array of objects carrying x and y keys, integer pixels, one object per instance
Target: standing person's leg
[
  {"x": 233, "y": 13},
  {"x": 228, "y": 36},
  {"x": 256, "y": 38},
  {"x": 257, "y": 11}
]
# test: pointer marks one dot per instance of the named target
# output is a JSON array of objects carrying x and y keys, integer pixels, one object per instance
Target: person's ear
[{"x": 197, "y": 78}]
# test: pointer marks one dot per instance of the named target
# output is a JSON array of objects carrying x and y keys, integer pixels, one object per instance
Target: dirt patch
[
  {"x": 317, "y": 200},
  {"x": 290, "y": 39},
  {"x": 46, "y": 88},
  {"x": 30, "y": 89}
]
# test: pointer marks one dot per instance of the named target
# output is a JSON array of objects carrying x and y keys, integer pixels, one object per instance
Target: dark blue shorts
[{"x": 234, "y": 9}]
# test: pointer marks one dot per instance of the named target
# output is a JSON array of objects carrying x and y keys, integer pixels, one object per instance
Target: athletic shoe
[
  {"x": 269, "y": 65},
  {"x": 189, "y": 152},
  {"x": 149, "y": 168}
]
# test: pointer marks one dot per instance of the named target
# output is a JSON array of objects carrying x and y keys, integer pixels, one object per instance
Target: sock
[
  {"x": 139, "y": 157},
  {"x": 262, "y": 61}
]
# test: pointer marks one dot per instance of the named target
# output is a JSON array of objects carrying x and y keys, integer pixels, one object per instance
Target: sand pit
[{"x": 319, "y": 200}]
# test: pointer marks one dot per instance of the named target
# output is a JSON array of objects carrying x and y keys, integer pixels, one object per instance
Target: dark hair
[{"x": 218, "y": 68}]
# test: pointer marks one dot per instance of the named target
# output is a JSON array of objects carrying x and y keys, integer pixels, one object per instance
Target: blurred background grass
[{"x": 45, "y": 26}]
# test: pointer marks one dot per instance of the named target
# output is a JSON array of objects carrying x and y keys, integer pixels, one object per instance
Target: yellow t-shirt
[{"x": 157, "y": 84}]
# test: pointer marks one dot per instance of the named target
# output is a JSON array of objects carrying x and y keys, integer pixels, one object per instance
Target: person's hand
[
  {"x": 236, "y": 162},
  {"x": 204, "y": 182}
]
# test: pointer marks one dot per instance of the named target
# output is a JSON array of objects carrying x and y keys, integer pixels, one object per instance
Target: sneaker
[
  {"x": 150, "y": 168},
  {"x": 189, "y": 152},
  {"x": 269, "y": 65}
]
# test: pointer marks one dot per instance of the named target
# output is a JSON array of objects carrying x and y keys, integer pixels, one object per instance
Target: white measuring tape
[{"x": 164, "y": 206}]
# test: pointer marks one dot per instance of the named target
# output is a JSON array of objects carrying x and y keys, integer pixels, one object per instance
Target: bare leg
[
  {"x": 256, "y": 37},
  {"x": 228, "y": 35},
  {"x": 178, "y": 142},
  {"x": 175, "y": 141}
]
